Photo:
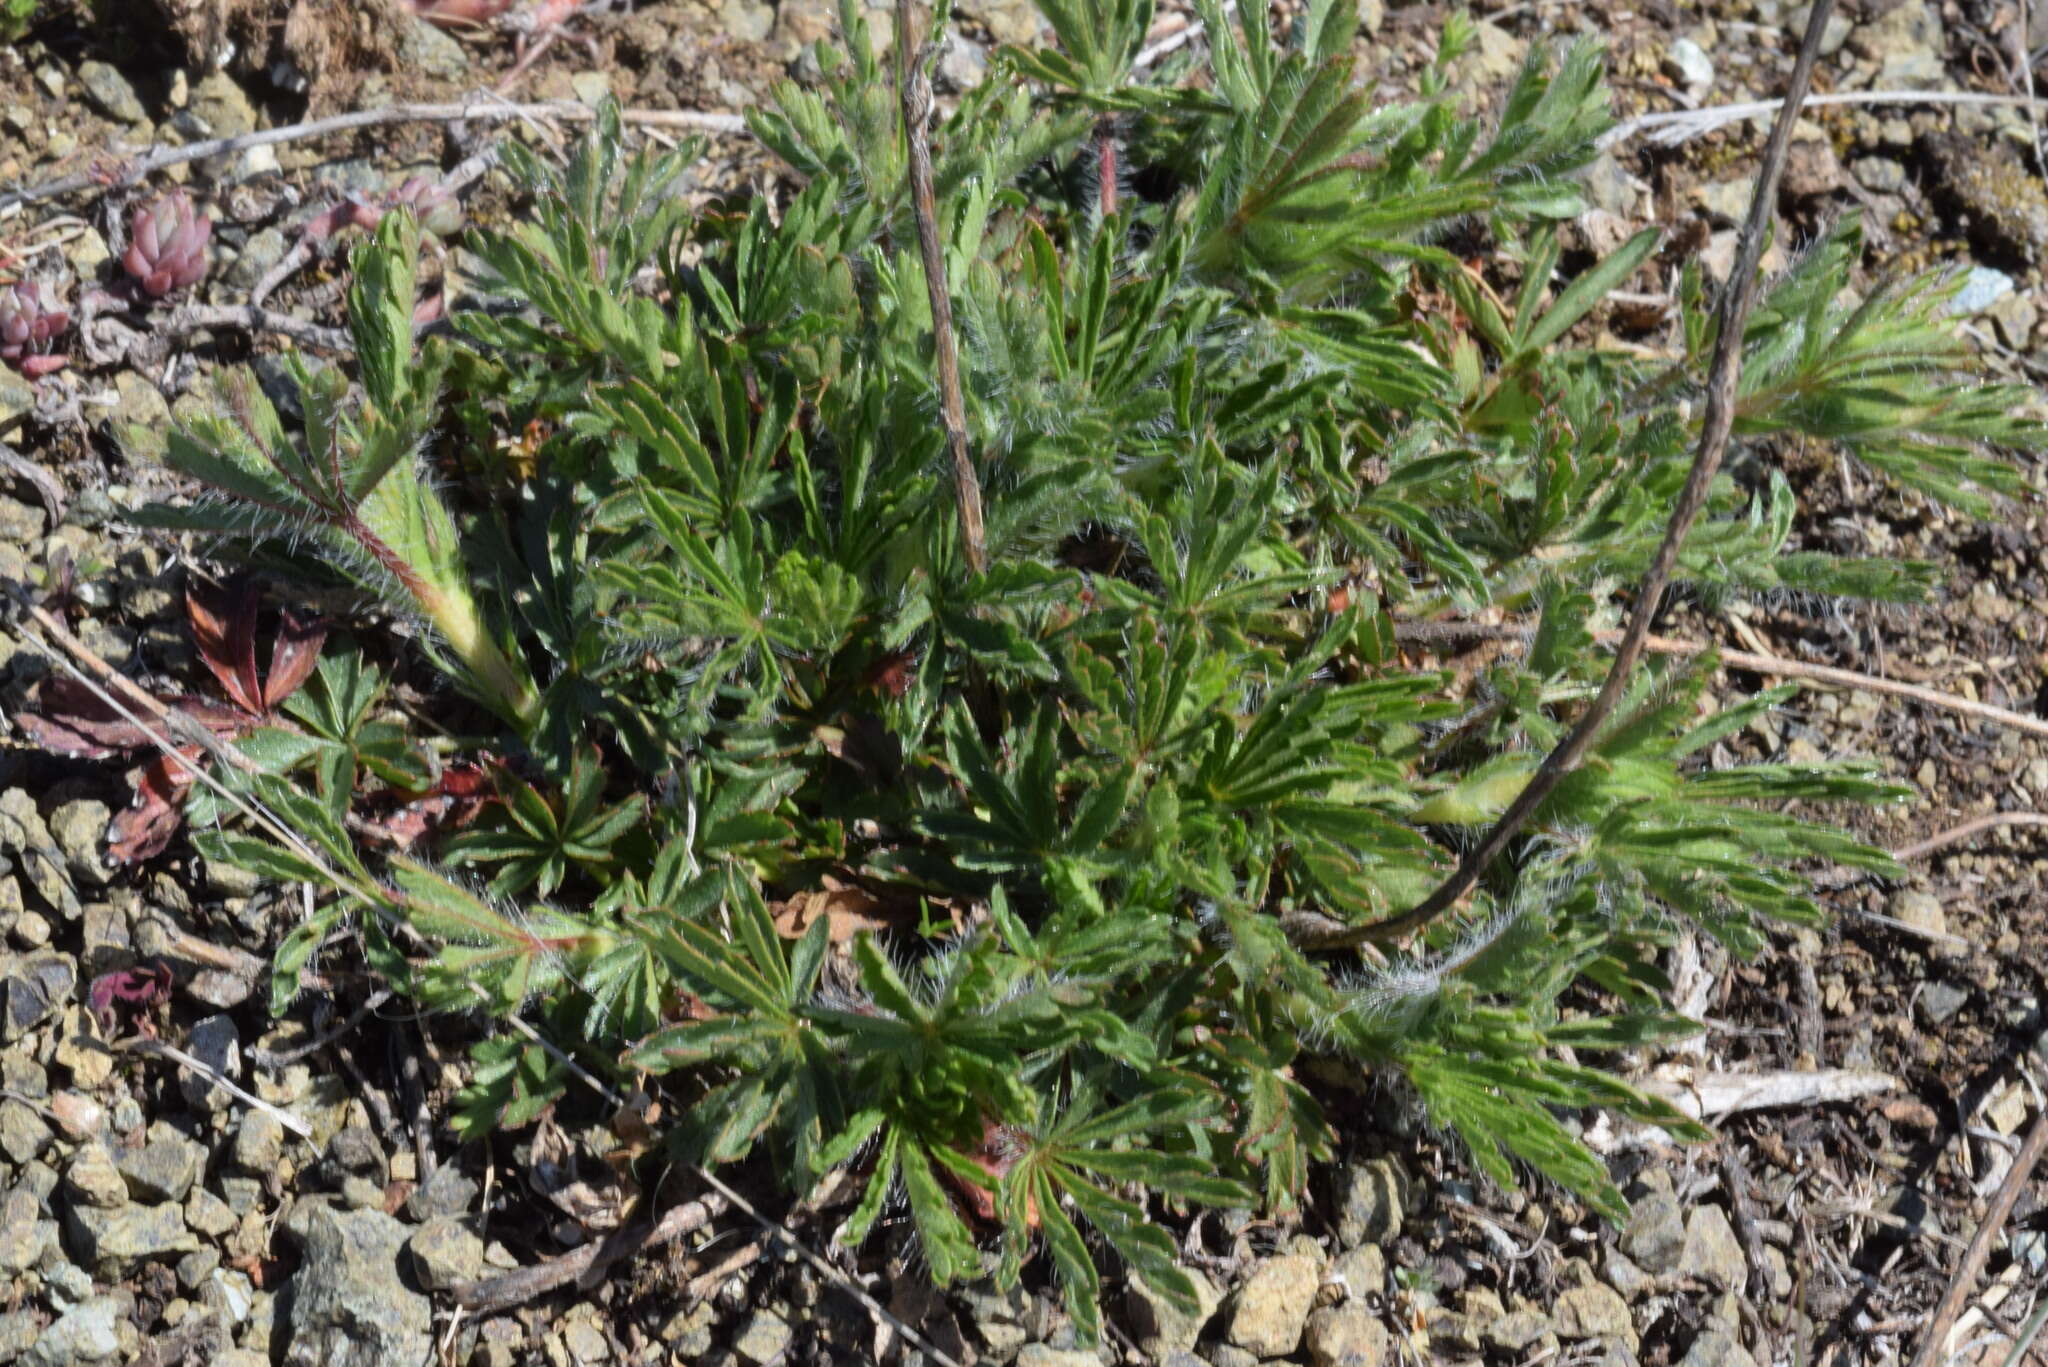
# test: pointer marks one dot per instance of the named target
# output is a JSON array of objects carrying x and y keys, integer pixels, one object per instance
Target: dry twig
[
  {"x": 283, "y": 1058},
  {"x": 1932, "y": 1347},
  {"x": 913, "y": 74},
  {"x": 126, "y": 173},
  {"x": 1671, "y": 127},
  {"x": 1955, "y": 835},
  {"x": 1720, "y": 1094},
  {"x": 146, "y": 1045},
  {"x": 496, "y": 1294}
]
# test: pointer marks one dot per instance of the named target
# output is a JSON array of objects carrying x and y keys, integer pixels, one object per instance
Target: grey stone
[
  {"x": 1833, "y": 34},
  {"x": 1939, "y": 1001},
  {"x": 94, "y": 1178},
  {"x": 356, "y": 1151},
  {"x": 1230, "y": 1355},
  {"x": 89, "y": 1332},
  {"x": 1687, "y": 62},
  {"x": 350, "y": 1305},
  {"x": 1655, "y": 1234},
  {"x": 1269, "y": 1311},
  {"x": 20, "y": 521},
  {"x": 23, "y": 1134},
  {"x": 111, "y": 93},
  {"x": 215, "y": 1042},
  {"x": 1624, "y": 1276},
  {"x": 763, "y": 1339},
  {"x": 1008, "y": 21},
  {"x": 17, "y": 395},
  {"x": 1371, "y": 1200},
  {"x": 1593, "y": 1310},
  {"x": 1982, "y": 288},
  {"x": 1045, "y": 1355},
  {"x": 586, "y": 1342},
  {"x": 1361, "y": 1271},
  {"x": 259, "y": 1143},
  {"x": 80, "y": 829},
  {"x": 746, "y": 21},
  {"x": 964, "y": 63},
  {"x": 1514, "y": 1331},
  {"x": 219, "y": 100},
  {"x": 1716, "y": 1347},
  {"x": 1712, "y": 1250},
  {"x": 140, "y": 420},
  {"x": 1160, "y": 1326},
  {"x": 196, "y": 1269},
  {"x": 19, "y": 1329},
  {"x": 67, "y": 1283},
  {"x": 23, "y": 1230},
  {"x": 208, "y": 1214},
  {"x": 164, "y": 1167},
  {"x": 111, "y": 1242},
  {"x": 262, "y": 251},
  {"x": 1910, "y": 28},
  {"x": 431, "y": 53},
  {"x": 447, "y": 1192},
  {"x": 446, "y": 1251},
  {"x": 1347, "y": 1335},
  {"x": 23, "y": 835},
  {"x": 230, "y": 1293},
  {"x": 107, "y": 946},
  {"x": 1496, "y": 54}
]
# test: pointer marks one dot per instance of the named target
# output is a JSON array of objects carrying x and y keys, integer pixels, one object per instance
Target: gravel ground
[{"x": 148, "y": 1214}]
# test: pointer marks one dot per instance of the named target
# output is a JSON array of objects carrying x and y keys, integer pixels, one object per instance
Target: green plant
[
  {"x": 15, "y": 18},
  {"x": 1233, "y": 439}
]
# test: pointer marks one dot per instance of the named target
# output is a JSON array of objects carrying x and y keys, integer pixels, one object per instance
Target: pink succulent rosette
[
  {"x": 32, "y": 317},
  {"x": 167, "y": 245}
]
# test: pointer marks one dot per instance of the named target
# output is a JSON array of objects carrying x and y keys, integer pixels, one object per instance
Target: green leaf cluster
[{"x": 1231, "y": 442}]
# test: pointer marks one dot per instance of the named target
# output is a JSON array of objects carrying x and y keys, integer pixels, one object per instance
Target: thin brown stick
[
  {"x": 1965, "y": 1279},
  {"x": 1735, "y": 1177},
  {"x": 914, "y": 79},
  {"x": 490, "y": 1296},
  {"x": 1718, "y": 422},
  {"x": 1955, "y": 835},
  {"x": 254, "y": 318},
  {"x": 488, "y": 110},
  {"x": 1451, "y": 635},
  {"x": 272, "y": 1060}
]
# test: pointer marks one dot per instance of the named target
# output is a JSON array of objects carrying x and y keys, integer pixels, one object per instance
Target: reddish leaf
[
  {"x": 997, "y": 1153},
  {"x": 142, "y": 829},
  {"x": 70, "y": 719},
  {"x": 451, "y": 12},
  {"x": 450, "y": 804},
  {"x": 226, "y": 637},
  {"x": 293, "y": 655},
  {"x": 129, "y": 991},
  {"x": 892, "y": 674}
]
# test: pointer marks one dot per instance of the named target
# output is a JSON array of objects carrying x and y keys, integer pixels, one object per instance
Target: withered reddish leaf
[
  {"x": 136, "y": 989},
  {"x": 142, "y": 829},
  {"x": 997, "y": 1153},
  {"x": 71, "y": 719},
  {"x": 293, "y": 655},
  {"x": 452, "y": 803},
  {"x": 892, "y": 673},
  {"x": 226, "y": 637},
  {"x": 447, "y": 12}
]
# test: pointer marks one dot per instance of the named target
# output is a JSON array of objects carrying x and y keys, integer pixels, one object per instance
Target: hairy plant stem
[
  {"x": 914, "y": 79},
  {"x": 461, "y": 626},
  {"x": 1723, "y": 375}
]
